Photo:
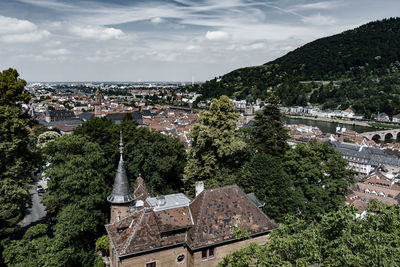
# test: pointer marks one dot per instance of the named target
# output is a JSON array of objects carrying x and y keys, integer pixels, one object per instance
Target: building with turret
[
  {"x": 121, "y": 197},
  {"x": 175, "y": 230}
]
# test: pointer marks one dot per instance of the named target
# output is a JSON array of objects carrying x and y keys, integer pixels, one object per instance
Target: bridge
[{"x": 382, "y": 135}]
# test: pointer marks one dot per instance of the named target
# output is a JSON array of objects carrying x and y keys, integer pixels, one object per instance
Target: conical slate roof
[{"x": 121, "y": 192}]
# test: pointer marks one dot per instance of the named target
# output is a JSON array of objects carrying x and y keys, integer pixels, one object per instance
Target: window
[
  {"x": 151, "y": 264},
  {"x": 207, "y": 253},
  {"x": 180, "y": 258},
  {"x": 211, "y": 252},
  {"x": 203, "y": 254}
]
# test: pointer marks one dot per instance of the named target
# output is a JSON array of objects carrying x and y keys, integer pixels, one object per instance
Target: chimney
[
  {"x": 160, "y": 201},
  {"x": 199, "y": 187}
]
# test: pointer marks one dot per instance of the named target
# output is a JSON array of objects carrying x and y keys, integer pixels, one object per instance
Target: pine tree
[{"x": 269, "y": 136}]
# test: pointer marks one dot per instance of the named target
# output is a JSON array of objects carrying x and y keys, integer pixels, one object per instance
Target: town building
[
  {"x": 249, "y": 106},
  {"x": 97, "y": 105},
  {"x": 363, "y": 159},
  {"x": 382, "y": 117},
  {"x": 136, "y": 115},
  {"x": 396, "y": 118},
  {"x": 59, "y": 115},
  {"x": 379, "y": 185},
  {"x": 175, "y": 230},
  {"x": 85, "y": 116}
]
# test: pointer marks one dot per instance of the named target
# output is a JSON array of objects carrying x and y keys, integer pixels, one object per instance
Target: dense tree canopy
[
  {"x": 217, "y": 149},
  {"x": 307, "y": 180},
  {"x": 158, "y": 158},
  {"x": 320, "y": 174},
  {"x": 34, "y": 249},
  {"x": 76, "y": 196},
  {"x": 18, "y": 160},
  {"x": 340, "y": 238},
  {"x": 264, "y": 175},
  {"x": 12, "y": 88}
]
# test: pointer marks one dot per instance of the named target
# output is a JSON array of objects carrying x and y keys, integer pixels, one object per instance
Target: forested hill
[{"x": 360, "y": 68}]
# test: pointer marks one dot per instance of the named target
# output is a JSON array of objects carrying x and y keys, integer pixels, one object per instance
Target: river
[{"x": 326, "y": 126}]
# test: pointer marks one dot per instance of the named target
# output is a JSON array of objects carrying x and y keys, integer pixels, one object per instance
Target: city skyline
[{"x": 111, "y": 40}]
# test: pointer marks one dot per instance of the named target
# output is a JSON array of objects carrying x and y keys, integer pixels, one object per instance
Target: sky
[{"x": 168, "y": 40}]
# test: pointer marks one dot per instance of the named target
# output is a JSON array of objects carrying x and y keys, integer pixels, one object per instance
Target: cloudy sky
[{"x": 169, "y": 40}]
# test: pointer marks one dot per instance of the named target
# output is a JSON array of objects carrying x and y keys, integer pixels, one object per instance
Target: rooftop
[
  {"x": 171, "y": 201},
  {"x": 205, "y": 221}
]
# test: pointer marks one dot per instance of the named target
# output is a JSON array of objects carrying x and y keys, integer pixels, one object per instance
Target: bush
[
  {"x": 103, "y": 244},
  {"x": 98, "y": 262}
]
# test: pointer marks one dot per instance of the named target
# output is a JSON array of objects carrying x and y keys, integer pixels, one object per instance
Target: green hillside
[{"x": 360, "y": 69}]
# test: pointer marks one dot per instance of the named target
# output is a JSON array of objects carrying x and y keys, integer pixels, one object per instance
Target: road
[{"x": 37, "y": 211}]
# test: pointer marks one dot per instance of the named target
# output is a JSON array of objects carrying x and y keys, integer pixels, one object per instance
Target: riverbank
[{"x": 331, "y": 120}]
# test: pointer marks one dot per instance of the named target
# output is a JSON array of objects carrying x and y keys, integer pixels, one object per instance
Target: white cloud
[
  {"x": 96, "y": 32},
  {"x": 254, "y": 46},
  {"x": 57, "y": 52},
  {"x": 318, "y": 5},
  {"x": 216, "y": 35},
  {"x": 157, "y": 20},
  {"x": 194, "y": 48},
  {"x": 13, "y": 25},
  {"x": 28, "y": 37},
  {"x": 53, "y": 43},
  {"x": 318, "y": 19},
  {"x": 14, "y": 30}
]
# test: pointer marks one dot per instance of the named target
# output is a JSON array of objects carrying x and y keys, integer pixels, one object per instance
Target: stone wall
[
  {"x": 163, "y": 258},
  {"x": 169, "y": 257},
  {"x": 221, "y": 251}
]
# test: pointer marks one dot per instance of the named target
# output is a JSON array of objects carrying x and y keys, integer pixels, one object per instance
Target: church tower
[
  {"x": 97, "y": 104},
  {"x": 121, "y": 196},
  {"x": 249, "y": 105}
]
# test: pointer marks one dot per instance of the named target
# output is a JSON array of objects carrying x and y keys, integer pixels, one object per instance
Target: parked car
[{"x": 40, "y": 189}]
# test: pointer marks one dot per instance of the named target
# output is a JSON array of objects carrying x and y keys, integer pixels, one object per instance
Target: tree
[
  {"x": 268, "y": 135},
  {"x": 46, "y": 137},
  {"x": 12, "y": 88},
  {"x": 320, "y": 175},
  {"x": 263, "y": 174},
  {"x": 34, "y": 249},
  {"x": 18, "y": 160},
  {"x": 340, "y": 238},
  {"x": 158, "y": 158},
  {"x": 217, "y": 149},
  {"x": 76, "y": 196}
]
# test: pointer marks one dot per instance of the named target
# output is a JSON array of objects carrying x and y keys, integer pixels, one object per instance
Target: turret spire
[
  {"x": 121, "y": 192},
  {"x": 121, "y": 145}
]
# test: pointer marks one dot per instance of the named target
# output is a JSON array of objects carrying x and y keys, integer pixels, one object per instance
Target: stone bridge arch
[
  {"x": 376, "y": 138},
  {"x": 382, "y": 135},
  {"x": 388, "y": 136}
]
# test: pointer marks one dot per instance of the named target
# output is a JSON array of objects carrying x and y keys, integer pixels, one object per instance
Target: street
[{"x": 37, "y": 211}]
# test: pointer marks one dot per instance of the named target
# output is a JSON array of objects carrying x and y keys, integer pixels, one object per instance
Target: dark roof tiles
[
  {"x": 216, "y": 211},
  {"x": 207, "y": 220}
]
